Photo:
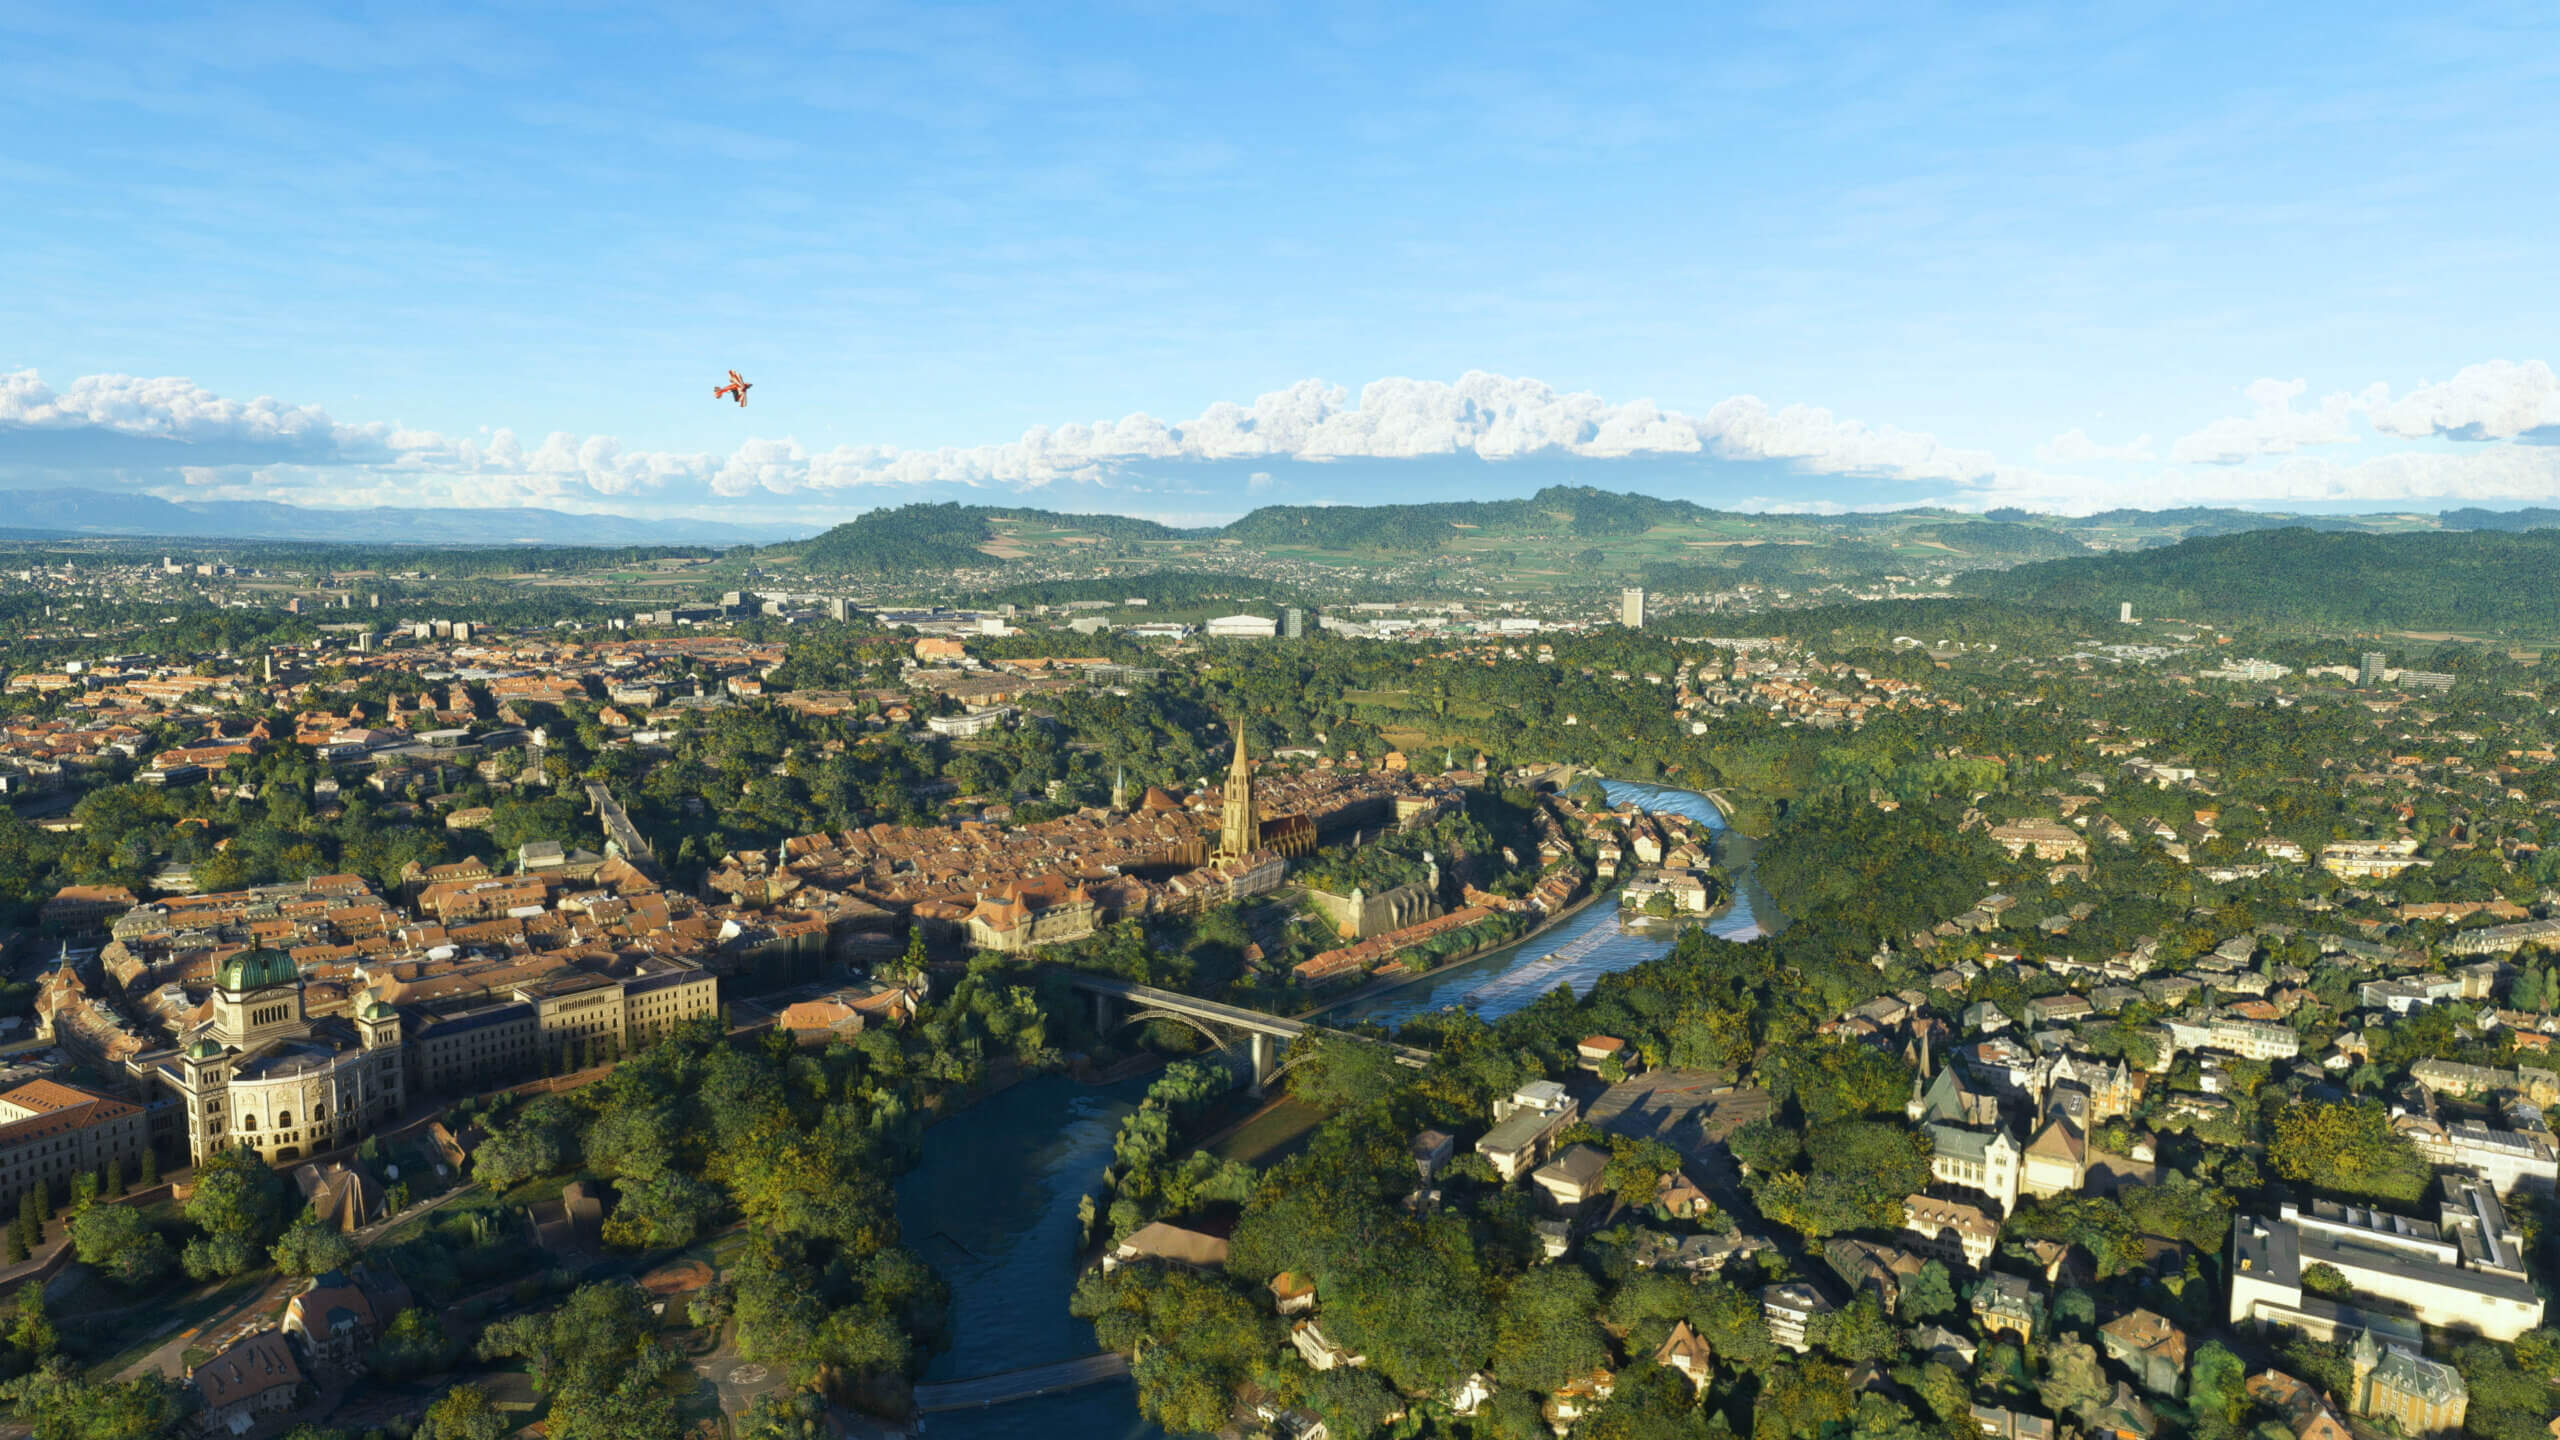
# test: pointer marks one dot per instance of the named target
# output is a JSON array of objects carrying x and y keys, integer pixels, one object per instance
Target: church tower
[
  {"x": 1239, "y": 824},
  {"x": 1120, "y": 789}
]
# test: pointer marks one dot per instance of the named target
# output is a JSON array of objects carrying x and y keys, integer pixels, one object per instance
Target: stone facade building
[
  {"x": 51, "y": 1133},
  {"x": 261, "y": 1074}
]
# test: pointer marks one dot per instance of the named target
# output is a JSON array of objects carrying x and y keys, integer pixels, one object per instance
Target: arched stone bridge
[{"x": 1118, "y": 1002}]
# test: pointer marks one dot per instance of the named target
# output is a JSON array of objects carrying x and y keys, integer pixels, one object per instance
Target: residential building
[
  {"x": 1525, "y": 1126},
  {"x": 2510, "y": 1160},
  {"x": 2307, "y": 1413},
  {"x": 1173, "y": 1243},
  {"x": 1789, "y": 1311},
  {"x": 1631, "y": 607},
  {"x": 2424, "y": 1398},
  {"x": 2149, "y": 1346},
  {"x": 1573, "y": 1178},
  {"x": 2005, "y": 1303},
  {"x": 1686, "y": 1351},
  {"x": 1949, "y": 1229},
  {"x": 2049, "y": 839},
  {"x": 1996, "y": 1423},
  {"x": 341, "y": 1314},
  {"x": 2250, "y": 1039},
  {"x": 244, "y": 1382}
]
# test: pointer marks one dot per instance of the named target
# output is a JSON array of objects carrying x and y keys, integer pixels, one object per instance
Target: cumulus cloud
[
  {"x": 1490, "y": 417},
  {"x": 177, "y": 437},
  {"x": 2074, "y": 447},
  {"x": 2495, "y": 400},
  {"x": 181, "y": 410},
  {"x": 2274, "y": 427}
]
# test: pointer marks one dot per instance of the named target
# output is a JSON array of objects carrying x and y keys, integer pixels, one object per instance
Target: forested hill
[
  {"x": 949, "y": 536},
  {"x": 1559, "y": 509},
  {"x": 2483, "y": 580}
]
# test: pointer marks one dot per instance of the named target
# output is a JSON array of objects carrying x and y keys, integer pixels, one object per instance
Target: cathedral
[{"x": 260, "y": 1074}]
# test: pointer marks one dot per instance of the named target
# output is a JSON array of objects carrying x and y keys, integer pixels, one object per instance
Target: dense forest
[{"x": 2472, "y": 580}]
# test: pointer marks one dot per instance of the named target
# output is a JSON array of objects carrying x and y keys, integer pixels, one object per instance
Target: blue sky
[{"x": 489, "y": 255}]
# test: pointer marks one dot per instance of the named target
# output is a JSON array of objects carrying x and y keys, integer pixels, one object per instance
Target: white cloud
[
  {"x": 2496, "y": 400},
  {"x": 267, "y": 449},
  {"x": 1493, "y": 417},
  {"x": 2074, "y": 447},
  {"x": 2275, "y": 427},
  {"x": 174, "y": 409}
]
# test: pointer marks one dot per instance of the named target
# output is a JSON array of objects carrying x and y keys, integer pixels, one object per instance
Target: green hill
[
  {"x": 2448, "y": 580},
  {"x": 950, "y": 536}
]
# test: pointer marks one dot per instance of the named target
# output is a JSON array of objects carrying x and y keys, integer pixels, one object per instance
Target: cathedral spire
[{"x": 1239, "y": 823}]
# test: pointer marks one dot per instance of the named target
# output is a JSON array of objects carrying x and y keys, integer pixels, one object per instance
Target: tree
[
  {"x": 1345, "y": 1073},
  {"x": 56, "y": 1403},
  {"x": 1930, "y": 1292},
  {"x": 663, "y": 1212},
  {"x": 32, "y": 1332},
  {"x": 1858, "y": 1331},
  {"x": 599, "y": 1361},
  {"x": 121, "y": 1243},
  {"x": 2073, "y": 1378},
  {"x": 2322, "y": 1278},
  {"x": 1802, "y": 1402},
  {"x": 2216, "y": 1381},
  {"x": 2349, "y": 1148},
  {"x": 412, "y": 1344},
  {"x": 235, "y": 1204},
  {"x": 311, "y": 1246},
  {"x": 465, "y": 1413},
  {"x": 539, "y": 1141},
  {"x": 1354, "y": 1404},
  {"x": 1545, "y": 1331}
]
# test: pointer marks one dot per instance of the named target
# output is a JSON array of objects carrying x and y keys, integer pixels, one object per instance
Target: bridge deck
[
  {"x": 1221, "y": 1014},
  {"x": 1012, "y": 1385}
]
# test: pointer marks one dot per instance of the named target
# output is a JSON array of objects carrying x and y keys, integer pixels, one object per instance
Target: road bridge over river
[{"x": 1265, "y": 1035}]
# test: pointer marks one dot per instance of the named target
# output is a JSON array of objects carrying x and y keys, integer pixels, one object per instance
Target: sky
[{"x": 1183, "y": 259}]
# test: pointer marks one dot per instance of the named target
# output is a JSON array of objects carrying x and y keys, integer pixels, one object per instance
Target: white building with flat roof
[{"x": 2465, "y": 1272}]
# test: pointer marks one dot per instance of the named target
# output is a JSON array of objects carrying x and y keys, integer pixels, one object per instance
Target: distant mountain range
[{"x": 77, "y": 512}]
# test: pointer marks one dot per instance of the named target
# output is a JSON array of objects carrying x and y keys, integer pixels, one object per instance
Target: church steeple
[
  {"x": 1918, "y": 1104},
  {"x": 1239, "y": 823},
  {"x": 1120, "y": 787}
]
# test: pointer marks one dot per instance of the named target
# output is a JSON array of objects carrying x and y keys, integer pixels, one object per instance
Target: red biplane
[{"x": 737, "y": 386}]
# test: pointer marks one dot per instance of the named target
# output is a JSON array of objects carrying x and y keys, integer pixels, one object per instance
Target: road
[{"x": 169, "y": 1358}]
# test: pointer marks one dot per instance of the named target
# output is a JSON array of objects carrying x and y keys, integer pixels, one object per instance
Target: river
[
  {"x": 1501, "y": 981},
  {"x": 992, "y": 1204}
]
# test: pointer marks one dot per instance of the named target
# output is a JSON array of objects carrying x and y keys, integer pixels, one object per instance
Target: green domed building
[{"x": 262, "y": 1073}]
